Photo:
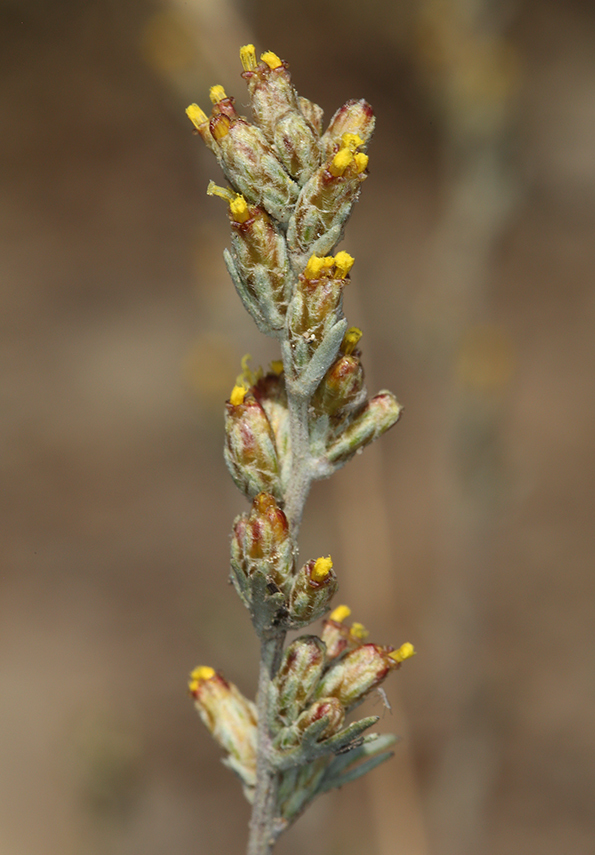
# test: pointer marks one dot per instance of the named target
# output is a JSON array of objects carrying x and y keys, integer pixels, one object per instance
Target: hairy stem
[
  {"x": 264, "y": 827},
  {"x": 262, "y": 832},
  {"x": 301, "y": 469}
]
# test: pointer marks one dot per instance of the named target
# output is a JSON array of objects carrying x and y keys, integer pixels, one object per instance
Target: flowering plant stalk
[{"x": 292, "y": 188}]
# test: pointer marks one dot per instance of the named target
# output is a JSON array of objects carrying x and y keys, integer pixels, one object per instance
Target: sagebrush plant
[{"x": 292, "y": 189}]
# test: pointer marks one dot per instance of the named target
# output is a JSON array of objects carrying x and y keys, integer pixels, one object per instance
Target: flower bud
[
  {"x": 342, "y": 388},
  {"x": 375, "y": 418},
  {"x": 354, "y": 117},
  {"x": 230, "y": 717},
  {"x": 277, "y": 112},
  {"x": 261, "y": 541},
  {"x": 298, "y": 676},
  {"x": 326, "y": 201},
  {"x": 338, "y": 637},
  {"x": 260, "y": 257},
  {"x": 270, "y": 392},
  {"x": 357, "y": 673},
  {"x": 316, "y": 304},
  {"x": 312, "y": 113},
  {"x": 330, "y": 708},
  {"x": 312, "y": 590},
  {"x": 248, "y": 161},
  {"x": 251, "y": 166},
  {"x": 250, "y": 451}
]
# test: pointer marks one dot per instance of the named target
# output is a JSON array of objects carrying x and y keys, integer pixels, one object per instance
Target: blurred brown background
[{"x": 468, "y": 530}]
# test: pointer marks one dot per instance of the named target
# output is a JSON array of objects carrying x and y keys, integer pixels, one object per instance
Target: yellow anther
[
  {"x": 351, "y": 340},
  {"x": 248, "y": 57},
  {"x": 343, "y": 264},
  {"x": 220, "y": 126},
  {"x": 238, "y": 393},
  {"x": 277, "y": 366},
  {"x": 223, "y": 192},
  {"x": 196, "y": 116},
  {"x": 238, "y": 209},
  {"x": 351, "y": 141},
  {"x": 322, "y": 568},
  {"x": 405, "y": 651},
  {"x": 359, "y": 631},
  {"x": 361, "y": 161},
  {"x": 340, "y": 162},
  {"x": 217, "y": 93},
  {"x": 271, "y": 59},
  {"x": 327, "y": 262},
  {"x": 340, "y": 613}
]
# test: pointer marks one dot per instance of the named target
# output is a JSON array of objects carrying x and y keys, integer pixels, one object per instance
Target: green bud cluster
[{"x": 314, "y": 689}]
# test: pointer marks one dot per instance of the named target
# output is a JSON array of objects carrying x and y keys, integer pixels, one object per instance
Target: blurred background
[{"x": 467, "y": 530}]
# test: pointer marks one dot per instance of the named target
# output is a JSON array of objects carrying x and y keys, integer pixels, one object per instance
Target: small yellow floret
[
  {"x": 277, "y": 366},
  {"x": 238, "y": 393},
  {"x": 340, "y": 613},
  {"x": 340, "y": 162},
  {"x": 196, "y": 116},
  {"x": 271, "y": 59},
  {"x": 223, "y": 192},
  {"x": 217, "y": 93},
  {"x": 322, "y": 568},
  {"x": 343, "y": 264},
  {"x": 351, "y": 141},
  {"x": 359, "y": 631},
  {"x": 314, "y": 267},
  {"x": 248, "y": 57},
  {"x": 203, "y": 672},
  {"x": 351, "y": 340},
  {"x": 361, "y": 161},
  {"x": 405, "y": 651},
  {"x": 238, "y": 209}
]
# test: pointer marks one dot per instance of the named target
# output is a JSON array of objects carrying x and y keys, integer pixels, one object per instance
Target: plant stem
[
  {"x": 262, "y": 834},
  {"x": 263, "y": 829},
  {"x": 301, "y": 470}
]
